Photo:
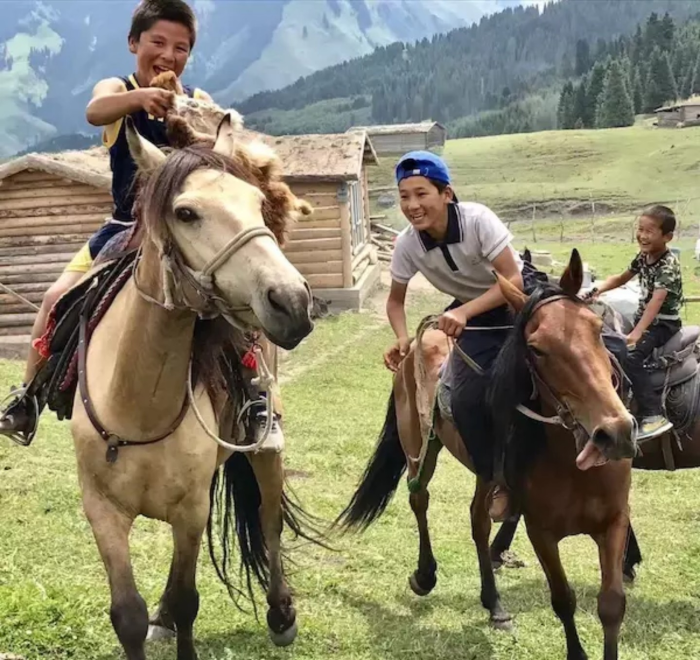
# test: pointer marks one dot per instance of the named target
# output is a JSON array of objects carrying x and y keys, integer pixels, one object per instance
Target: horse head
[
  {"x": 557, "y": 343},
  {"x": 215, "y": 217}
]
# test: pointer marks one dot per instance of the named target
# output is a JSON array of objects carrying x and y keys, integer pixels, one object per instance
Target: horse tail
[
  {"x": 235, "y": 502},
  {"x": 381, "y": 476},
  {"x": 235, "y": 508}
]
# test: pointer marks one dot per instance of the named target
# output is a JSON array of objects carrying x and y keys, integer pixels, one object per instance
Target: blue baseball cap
[{"x": 422, "y": 163}]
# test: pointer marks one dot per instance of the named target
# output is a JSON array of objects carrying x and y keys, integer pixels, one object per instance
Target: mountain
[
  {"x": 517, "y": 56},
  {"x": 52, "y": 52}
]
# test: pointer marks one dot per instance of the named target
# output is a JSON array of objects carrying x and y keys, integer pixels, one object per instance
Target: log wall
[{"x": 45, "y": 220}]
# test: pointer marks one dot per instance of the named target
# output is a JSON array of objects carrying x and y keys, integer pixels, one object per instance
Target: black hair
[
  {"x": 663, "y": 215},
  {"x": 442, "y": 186},
  {"x": 149, "y": 12}
]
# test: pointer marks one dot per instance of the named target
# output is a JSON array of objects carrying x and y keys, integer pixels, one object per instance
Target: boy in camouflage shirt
[{"x": 658, "y": 317}]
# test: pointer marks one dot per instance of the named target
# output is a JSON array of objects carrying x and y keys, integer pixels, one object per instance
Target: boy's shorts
[{"x": 83, "y": 260}]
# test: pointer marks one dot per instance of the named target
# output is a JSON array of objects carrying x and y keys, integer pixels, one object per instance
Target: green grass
[
  {"x": 621, "y": 170},
  {"x": 354, "y": 603}
]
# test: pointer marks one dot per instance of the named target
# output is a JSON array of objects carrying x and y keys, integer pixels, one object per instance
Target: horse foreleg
[
  {"x": 481, "y": 530},
  {"x": 424, "y": 579},
  {"x": 162, "y": 624},
  {"x": 563, "y": 596},
  {"x": 501, "y": 545},
  {"x": 128, "y": 611},
  {"x": 611, "y": 598},
  {"x": 281, "y": 615}
]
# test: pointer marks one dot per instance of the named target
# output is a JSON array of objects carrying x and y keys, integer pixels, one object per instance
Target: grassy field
[
  {"x": 560, "y": 171},
  {"x": 354, "y": 603}
]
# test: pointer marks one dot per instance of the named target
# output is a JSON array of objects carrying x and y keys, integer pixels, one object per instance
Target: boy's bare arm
[
  {"x": 652, "y": 309},
  {"x": 111, "y": 101},
  {"x": 615, "y": 281}
]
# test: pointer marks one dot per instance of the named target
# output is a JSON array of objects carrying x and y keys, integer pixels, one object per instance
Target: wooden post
[
  {"x": 345, "y": 233},
  {"x": 534, "y": 233},
  {"x": 365, "y": 204}
]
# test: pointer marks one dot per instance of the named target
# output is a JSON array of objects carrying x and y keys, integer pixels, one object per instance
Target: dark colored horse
[{"x": 556, "y": 343}]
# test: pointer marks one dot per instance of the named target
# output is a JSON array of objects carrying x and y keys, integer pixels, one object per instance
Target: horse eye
[{"x": 186, "y": 214}]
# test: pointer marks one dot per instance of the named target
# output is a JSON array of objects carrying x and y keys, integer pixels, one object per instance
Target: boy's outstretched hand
[
  {"x": 156, "y": 101},
  {"x": 395, "y": 355}
]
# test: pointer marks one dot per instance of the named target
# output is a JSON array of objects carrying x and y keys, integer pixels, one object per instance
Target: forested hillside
[
  {"x": 660, "y": 63},
  {"x": 510, "y": 65}
]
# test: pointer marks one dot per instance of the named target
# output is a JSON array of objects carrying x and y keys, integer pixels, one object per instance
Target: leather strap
[{"x": 113, "y": 441}]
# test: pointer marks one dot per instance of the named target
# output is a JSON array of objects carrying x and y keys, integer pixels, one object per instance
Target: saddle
[
  {"x": 676, "y": 361},
  {"x": 56, "y": 381}
]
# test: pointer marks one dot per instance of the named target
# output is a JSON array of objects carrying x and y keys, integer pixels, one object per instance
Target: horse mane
[
  {"x": 217, "y": 346},
  {"x": 510, "y": 383},
  {"x": 280, "y": 206}
]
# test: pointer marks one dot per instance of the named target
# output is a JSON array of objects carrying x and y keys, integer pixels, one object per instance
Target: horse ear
[
  {"x": 514, "y": 296},
  {"x": 572, "y": 279},
  {"x": 146, "y": 155},
  {"x": 225, "y": 137}
]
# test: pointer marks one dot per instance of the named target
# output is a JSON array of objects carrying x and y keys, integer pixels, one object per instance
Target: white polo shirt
[{"x": 460, "y": 266}]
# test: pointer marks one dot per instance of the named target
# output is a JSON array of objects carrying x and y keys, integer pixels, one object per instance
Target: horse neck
[{"x": 151, "y": 349}]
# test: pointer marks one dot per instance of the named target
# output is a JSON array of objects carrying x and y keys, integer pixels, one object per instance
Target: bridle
[
  {"x": 207, "y": 304},
  {"x": 564, "y": 416}
]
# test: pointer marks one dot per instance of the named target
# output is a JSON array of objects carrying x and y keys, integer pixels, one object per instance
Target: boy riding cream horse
[{"x": 179, "y": 116}]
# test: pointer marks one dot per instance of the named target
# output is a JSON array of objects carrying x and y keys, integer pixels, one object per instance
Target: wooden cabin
[
  {"x": 50, "y": 204},
  {"x": 679, "y": 115},
  {"x": 397, "y": 139}
]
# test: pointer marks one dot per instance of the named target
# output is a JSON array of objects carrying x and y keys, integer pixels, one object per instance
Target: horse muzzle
[
  {"x": 286, "y": 315},
  {"x": 612, "y": 440}
]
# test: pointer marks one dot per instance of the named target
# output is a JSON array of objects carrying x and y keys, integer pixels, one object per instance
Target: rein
[{"x": 173, "y": 271}]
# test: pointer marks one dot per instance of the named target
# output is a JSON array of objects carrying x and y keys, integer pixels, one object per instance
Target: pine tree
[
  {"x": 667, "y": 31},
  {"x": 638, "y": 93},
  {"x": 595, "y": 87},
  {"x": 637, "y": 49},
  {"x": 580, "y": 100},
  {"x": 661, "y": 87},
  {"x": 583, "y": 57},
  {"x": 695, "y": 81},
  {"x": 565, "y": 111},
  {"x": 615, "y": 107}
]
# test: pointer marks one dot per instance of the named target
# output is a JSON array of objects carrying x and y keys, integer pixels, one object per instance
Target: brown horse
[
  {"x": 556, "y": 343},
  {"x": 153, "y": 387}
]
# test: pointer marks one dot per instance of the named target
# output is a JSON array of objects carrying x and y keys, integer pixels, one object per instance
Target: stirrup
[
  {"x": 19, "y": 395},
  {"x": 640, "y": 437}
]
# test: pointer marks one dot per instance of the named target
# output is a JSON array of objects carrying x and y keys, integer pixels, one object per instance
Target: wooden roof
[
  {"x": 692, "y": 101},
  {"x": 89, "y": 166},
  {"x": 387, "y": 129},
  {"x": 336, "y": 157}
]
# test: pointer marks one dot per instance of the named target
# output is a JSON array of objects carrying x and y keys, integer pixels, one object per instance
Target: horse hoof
[
  {"x": 629, "y": 580},
  {"x": 421, "y": 590},
  {"x": 286, "y": 637},
  {"x": 158, "y": 633},
  {"x": 507, "y": 559},
  {"x": 504, "y": 623}
]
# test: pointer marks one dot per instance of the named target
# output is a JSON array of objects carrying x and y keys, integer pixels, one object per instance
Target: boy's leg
[
  {"x": 469, "y": 409},
  {"x": 650, "y": 410},
  {"x": 17, "y": 417}
]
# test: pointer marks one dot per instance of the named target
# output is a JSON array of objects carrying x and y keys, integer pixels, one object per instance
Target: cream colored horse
[{"x": 205, "y": 245}]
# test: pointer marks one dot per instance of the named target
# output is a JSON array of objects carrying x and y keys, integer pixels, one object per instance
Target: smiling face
[
  {"x": 165, "y": 46},
  {"x": 650, "y": 236},
  {"x": 422, "y": 202}
]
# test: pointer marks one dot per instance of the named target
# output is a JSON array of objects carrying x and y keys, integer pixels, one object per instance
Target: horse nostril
[{"x": 277, "y": 301}]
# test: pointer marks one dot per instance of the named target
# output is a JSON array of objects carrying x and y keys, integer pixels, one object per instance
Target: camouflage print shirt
[{"x": 664, "y": 273}]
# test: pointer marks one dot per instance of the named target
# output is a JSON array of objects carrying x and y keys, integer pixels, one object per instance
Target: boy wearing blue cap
[{"x": 456, "y": 246}]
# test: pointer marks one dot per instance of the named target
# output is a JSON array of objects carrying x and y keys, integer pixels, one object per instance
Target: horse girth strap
[{"x": 113, "y": 441}]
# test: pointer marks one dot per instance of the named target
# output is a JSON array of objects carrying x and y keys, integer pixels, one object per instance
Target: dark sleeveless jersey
[{"x": 121, "y": 162}]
